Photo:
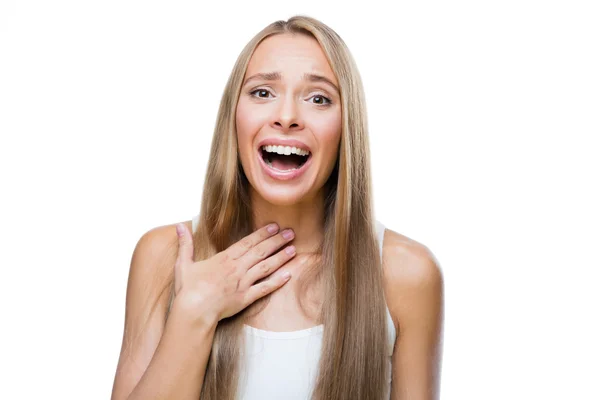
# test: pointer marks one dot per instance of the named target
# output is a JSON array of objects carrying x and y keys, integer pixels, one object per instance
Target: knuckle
[
  {"x": 264, "y": 268},
  {"x": 259, "y": 252},
  {"x": 246, "y": 244}
]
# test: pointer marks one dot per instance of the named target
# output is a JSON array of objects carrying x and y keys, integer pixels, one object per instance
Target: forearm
[{"x": 179, "y": 363}]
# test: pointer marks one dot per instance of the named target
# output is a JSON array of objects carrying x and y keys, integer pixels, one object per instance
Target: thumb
[{"x": 186, "y": 244}]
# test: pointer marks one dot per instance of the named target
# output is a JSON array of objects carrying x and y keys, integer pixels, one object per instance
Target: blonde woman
[{"x": 284, "y": 286}]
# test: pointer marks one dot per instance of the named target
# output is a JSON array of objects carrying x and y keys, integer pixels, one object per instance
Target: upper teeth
[{"x": 287, "y": 150}]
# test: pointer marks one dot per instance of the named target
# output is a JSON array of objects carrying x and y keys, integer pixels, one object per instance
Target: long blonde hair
[{"x": 354, "y": 350}]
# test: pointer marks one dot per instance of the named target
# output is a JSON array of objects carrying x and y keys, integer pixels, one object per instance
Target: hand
[{"x": 225, "y": 284}]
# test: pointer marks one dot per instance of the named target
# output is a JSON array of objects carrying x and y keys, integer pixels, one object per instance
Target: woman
[{"x": 284, "y": 286}]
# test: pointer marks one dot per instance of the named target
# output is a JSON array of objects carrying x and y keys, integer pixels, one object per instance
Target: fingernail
[
  {"x": 272, "y": 228},
  {"x": 286, "y": 275},
  {"x": 179, "y": 228},
  {"x": 290, "y": 250},
  {"x": 288, "y": 234}
]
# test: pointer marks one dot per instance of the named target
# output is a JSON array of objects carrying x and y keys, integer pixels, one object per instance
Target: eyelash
[{"x": 316, "y": 95}]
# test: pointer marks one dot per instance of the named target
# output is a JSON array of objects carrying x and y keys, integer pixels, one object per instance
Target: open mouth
[{"x": 284, "y": 159}]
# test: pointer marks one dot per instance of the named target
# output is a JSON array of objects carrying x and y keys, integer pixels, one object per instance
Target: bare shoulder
[
  {"x": 157, "y": 249},
  {"x": 146, "y": 304},
  {"x": 412, "y": 277},
  {"x": 414, "y": 293},
  {"x": 152, "y": 265},
  {"x": 161, "y": 237}
]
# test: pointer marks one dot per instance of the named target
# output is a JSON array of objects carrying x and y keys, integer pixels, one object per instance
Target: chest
[{"x": 292, "y": 307}]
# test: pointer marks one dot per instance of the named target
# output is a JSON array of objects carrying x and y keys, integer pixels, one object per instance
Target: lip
[
  {"x": 282, "y": 176},
  {"x": 283, "y": 142}
]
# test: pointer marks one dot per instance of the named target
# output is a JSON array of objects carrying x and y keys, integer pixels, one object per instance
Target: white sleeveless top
[{"x": 283, "y": 365}]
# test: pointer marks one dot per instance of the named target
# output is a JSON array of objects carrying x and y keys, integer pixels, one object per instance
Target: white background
[{"x": 484, "y": 120}]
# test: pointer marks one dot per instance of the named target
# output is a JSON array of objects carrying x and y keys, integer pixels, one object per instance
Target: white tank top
[{"x": 283, "y": 365}]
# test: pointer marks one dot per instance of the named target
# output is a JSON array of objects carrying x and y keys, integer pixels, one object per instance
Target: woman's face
[{"x": 289, "y": 98}]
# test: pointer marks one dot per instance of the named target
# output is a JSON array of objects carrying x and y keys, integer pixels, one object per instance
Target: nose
[{"x": 287, "y": 116}]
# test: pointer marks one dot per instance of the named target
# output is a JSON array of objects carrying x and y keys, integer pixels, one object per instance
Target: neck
[{"x": 305, "y": 218}]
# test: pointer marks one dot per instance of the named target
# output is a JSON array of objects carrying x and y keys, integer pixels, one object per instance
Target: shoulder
[
  {"x": 160, "y": 239},
  {"x": 413, "y": 280},
  {"x": 156, "y": 250},
  {"x": 146, "y": 303}
]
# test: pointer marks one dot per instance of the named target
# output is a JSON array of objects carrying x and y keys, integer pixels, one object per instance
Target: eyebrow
[{"x": 276, "y": 76}]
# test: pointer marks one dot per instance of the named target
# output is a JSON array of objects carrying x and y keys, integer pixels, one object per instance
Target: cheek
[
  {"x": 241, "y": 121},
  {"x": 247, "y": 124},
  {"x": 330, "y": 132},
  {"x": 249, "y": 117}
]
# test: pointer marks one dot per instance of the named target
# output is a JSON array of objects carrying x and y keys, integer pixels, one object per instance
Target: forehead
[{"x": 292, "y": 55}]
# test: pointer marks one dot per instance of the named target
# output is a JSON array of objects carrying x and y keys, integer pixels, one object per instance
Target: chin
[{"x": 281, "y": 195}]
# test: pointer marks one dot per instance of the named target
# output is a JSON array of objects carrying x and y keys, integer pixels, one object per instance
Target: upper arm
[
  {"x": 148, "y": 294},
  {"x": 414, "y": 288}
]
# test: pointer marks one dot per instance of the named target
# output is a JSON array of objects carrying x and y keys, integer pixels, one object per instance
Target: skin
[
  {"x": 289, "y": 107},
  {"x": 413, "y": 283},
  {"x": 292, "y": 107}
]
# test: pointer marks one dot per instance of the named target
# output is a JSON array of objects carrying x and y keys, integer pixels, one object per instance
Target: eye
[
  {"x": 263, "y": 93},
  {"x": 321, "y": 100}
]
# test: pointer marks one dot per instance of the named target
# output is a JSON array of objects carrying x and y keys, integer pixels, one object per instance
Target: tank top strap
[
  {"x": 195, "y": 221},
  {"x": 380, "y": 231}
]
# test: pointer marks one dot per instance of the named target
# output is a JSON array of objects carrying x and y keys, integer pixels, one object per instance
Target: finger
[
  {"x": 240, "y": 248},
  {"x": 186, "y": 245},
  {"x": 267, "y": 286},
  {"x": 268, "y": 266},
  {"x": 266, "y": 248}
]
